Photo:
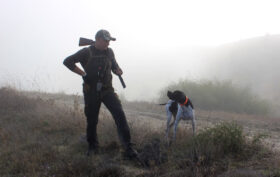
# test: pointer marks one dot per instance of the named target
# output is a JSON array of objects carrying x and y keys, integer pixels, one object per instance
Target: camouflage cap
[{"x": 104, "y": 34}]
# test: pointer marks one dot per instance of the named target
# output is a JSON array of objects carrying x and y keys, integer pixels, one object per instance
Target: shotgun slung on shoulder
[{"x": 85, "y": 41}]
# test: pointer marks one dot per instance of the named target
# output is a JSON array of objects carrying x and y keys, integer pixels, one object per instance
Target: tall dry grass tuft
[
  {"x": 33, "y": 133},
  {"x": 11, "y": 100}
]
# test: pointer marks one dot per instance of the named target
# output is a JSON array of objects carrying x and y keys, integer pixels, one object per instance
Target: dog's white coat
[{"x": 184, "y": 112}]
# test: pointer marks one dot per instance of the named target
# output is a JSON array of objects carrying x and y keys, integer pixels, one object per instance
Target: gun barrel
[
  {"x": 121, "y": 79},
  {"x": 85, "y": 41}
]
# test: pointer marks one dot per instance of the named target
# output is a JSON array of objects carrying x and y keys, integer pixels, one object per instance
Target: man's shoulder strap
[{"x": 90, "y": 52}]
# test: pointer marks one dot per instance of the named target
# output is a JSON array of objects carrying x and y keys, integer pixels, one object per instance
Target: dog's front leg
[
  {"x": 169, "y": 117},
  {"x": 178, "y": 118},
  {"x": 193, "y": 122}
]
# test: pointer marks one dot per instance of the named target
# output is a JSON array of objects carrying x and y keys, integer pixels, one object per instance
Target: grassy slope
[{"x": 43, "y": 138}]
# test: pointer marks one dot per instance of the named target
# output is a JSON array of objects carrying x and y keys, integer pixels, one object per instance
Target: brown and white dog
[{"x": 180, "y": 107}]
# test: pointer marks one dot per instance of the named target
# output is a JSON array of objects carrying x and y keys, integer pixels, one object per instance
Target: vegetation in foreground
[{"x": 42, "y": 138}]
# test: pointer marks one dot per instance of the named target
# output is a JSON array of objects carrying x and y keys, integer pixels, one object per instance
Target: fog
[
  {"x": 158, "y": 42},
  {"x": 252, "y": 63}
]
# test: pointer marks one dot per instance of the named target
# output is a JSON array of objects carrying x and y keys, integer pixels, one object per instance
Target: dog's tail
[{"x": 161, "y": 104}]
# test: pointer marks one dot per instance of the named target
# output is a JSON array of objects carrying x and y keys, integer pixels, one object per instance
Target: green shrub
[{"x": 211, "y": 144}]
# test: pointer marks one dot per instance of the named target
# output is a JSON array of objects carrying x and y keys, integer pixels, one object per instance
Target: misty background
[{"x": 158, "y": 43}]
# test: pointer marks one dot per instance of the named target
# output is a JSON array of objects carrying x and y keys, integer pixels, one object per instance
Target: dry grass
[{"x": 42, "y": 137}]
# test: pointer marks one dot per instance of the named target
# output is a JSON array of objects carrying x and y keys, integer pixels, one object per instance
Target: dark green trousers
[{"x": 93, "y": 102}]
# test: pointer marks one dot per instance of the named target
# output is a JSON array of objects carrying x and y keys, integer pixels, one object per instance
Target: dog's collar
[{"x": 186, "y": 101}]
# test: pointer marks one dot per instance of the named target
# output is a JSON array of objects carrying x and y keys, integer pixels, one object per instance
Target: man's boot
[{"x": 130, "y": 153}]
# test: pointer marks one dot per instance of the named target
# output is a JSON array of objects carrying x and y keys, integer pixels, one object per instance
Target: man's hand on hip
[{"x": 86, "y": 79}]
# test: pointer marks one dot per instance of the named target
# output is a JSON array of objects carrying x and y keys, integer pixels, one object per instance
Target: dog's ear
[{"x": 170, "y": 95}]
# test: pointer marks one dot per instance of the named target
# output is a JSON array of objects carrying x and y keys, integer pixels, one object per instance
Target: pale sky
[{"x": 155, "y": 43}]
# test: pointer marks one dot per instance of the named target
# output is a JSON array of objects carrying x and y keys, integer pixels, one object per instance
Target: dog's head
[{"x": 177, "y": 96}]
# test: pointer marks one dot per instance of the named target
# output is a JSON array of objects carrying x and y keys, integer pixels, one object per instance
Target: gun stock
[{"x": 85, "y": 41}]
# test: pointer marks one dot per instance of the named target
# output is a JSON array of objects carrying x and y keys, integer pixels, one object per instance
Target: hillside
[{"x": 253, "y": 63}]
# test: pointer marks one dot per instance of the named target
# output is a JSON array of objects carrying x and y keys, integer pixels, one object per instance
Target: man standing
[{"x": 98, "y": 61}]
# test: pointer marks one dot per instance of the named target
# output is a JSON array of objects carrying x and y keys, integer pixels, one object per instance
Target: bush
[
  {"x": 209, "y": 152},
  {"x": 227, "y": 138},
  {"x": 214, "y": 143},
  {"x": 218, "y": 95}
]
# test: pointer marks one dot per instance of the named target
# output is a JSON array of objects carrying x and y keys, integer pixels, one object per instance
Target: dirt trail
[{"x": 252, "y": 125}]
